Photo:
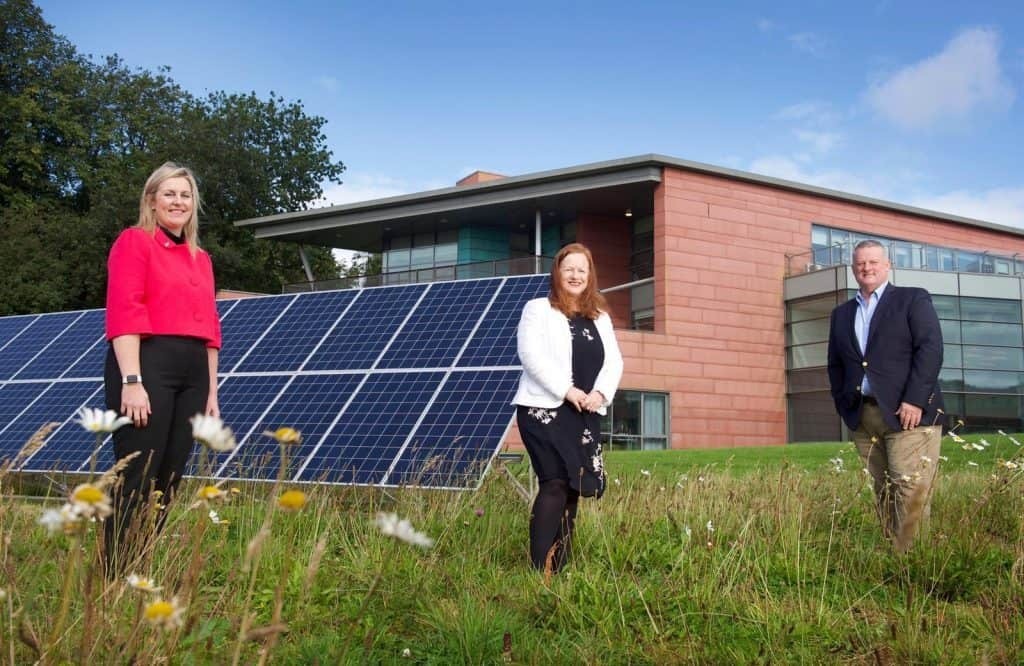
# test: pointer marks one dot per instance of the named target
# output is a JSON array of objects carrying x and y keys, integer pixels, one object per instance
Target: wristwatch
[{"x": 131, "y": 379}]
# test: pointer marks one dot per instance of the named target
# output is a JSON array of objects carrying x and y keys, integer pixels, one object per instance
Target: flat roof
[{"x": 306, "y": 224}]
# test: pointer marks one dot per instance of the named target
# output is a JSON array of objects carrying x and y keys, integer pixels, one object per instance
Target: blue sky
[{"x": 913, "y": 102}]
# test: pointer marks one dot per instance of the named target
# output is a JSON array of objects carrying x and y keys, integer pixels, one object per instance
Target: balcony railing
[
  {"x": 479, "y": 269},
  {"x": 910, "y": 255}
]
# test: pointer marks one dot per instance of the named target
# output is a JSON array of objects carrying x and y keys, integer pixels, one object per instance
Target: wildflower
[
  {"x": 711, "y": 528},
  {"x": 925, "y": 461},
  {"x": 210, "y": 494},
  {"x": 90, "y": 501},
  {"x": 955, "y": 437},
  {"x": 837, "y": 465},
  {"x": 64, "y": 519},
  {"x": 645, "y": 472},
  {"x": 142, "y": 583},
  {"x": 687, "y": 531},
  {"x": 972, "y": 463},
  {"x": 401, "y": 529},
  {"x": 984, "y": 442},
  {"x": 1009, "y": 464},
  {"x": 292, "y": 500},
  {"x": 479, "y": 512},
  {"x": 163, "y": 613},
  {"x": 406, "y": 653},
  {"x": 616, "y": 481},
  {"x": 285, "y": 435},
  {"x": 100, "y": 421},
  {"x": 215, "y": 518},
  {"x": 211, "y": 432},
  {"x": 944, "y": 458}
]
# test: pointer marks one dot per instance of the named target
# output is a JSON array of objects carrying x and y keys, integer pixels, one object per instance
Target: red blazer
[{"x": 156, "y": 287}]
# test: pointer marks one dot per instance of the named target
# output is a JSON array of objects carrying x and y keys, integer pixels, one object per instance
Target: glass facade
[
  {"x": 982, "y": 375},
  {"x": 636, "y": 420},
  {"x": 834, "y": 247}
]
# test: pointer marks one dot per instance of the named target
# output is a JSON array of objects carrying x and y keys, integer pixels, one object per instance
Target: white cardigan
[{"x": 545, "y": 350}]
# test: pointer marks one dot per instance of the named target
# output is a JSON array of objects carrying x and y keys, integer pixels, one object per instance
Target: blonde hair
[
  {"x": 591, "y": 302},
  {"x": 147, "y": 218}
]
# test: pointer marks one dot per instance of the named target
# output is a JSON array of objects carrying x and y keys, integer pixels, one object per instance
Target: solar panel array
[{"x": 405, "y": 385}]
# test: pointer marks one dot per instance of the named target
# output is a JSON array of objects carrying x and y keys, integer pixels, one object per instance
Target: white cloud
[
  {"x": 365, "y": 187},
  {"x": 820, "y": 142},
  {"x": 1004, "y": 205},
  {"x": 815, "y": 112},
  {"x": 965, "y": 76},
  {"x": 788, "y": 168},
  {"x": 808, "y": 42}
]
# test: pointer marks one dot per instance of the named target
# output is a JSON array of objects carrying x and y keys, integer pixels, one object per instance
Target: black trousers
[{"x": 176, "y": 376}]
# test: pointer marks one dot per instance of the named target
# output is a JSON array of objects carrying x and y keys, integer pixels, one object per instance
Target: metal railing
[{"x": 479, "y": 269}]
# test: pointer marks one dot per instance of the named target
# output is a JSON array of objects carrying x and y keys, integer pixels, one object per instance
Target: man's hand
[{"x": 909, "y": 415}]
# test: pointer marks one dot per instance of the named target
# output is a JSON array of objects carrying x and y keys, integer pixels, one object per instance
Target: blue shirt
[{"x": 862, "y": 324}]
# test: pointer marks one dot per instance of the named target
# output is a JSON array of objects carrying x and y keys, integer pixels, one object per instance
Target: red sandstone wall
[{"x": 609, "y": 240}]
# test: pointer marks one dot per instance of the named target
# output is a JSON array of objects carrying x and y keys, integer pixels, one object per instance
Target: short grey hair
[{"x": 871, "y": 243}]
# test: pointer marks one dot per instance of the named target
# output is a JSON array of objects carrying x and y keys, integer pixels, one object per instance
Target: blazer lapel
[
  {"x": 849, "y": 314},
  {"x": 881, "y": 311}
]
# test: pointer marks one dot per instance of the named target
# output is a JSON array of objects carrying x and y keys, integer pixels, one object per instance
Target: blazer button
[
  {"x": 864, "y": 364},
  {"x": 858, "y": 389}
]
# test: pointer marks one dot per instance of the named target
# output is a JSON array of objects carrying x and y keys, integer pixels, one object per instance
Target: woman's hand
[
  {"x": 576, "y": 398},
  {"x": 594, "y": 401},
  {"x": 212, "y": 408},
  {"x": 135, "y": 404}
]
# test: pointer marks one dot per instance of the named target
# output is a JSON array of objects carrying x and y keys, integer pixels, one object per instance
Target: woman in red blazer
[{"x": 164, "y": 335}]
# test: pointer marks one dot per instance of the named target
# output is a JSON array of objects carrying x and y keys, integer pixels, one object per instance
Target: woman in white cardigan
[{"x": 571, "y": 369}]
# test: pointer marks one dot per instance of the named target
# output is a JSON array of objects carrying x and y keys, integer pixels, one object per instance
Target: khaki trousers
[{"x": 902, "y": 465}]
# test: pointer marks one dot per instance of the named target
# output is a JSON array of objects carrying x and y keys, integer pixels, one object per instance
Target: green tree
[{"x": 79, "y": 138}]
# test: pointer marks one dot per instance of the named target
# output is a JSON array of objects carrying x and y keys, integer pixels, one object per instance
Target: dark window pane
[
  {"x": 947, "y": 307},
  {"x": 813, "y": 418},
  {"x": 808, "y": 356},
  {"x": 654, "y": 443},
  {"x": 993, "y": 358},
  {"x": 952, "y": 356},
  {"x": 991, "y": 407},
  {"x": 950, "y": 331},
  {"x": 986, "y": 333},
  {"x": 968, "y": 262},
  {"x": 810, "y": 308},
  {"x": 801, "y": 381},
  {"x": 990, "y": 309},
  {"x": 951, "y": 379},
  {"x": 803, "y": 332},
  {"x": 626, "y": 413},
  {"x": 993, "y": 381}
]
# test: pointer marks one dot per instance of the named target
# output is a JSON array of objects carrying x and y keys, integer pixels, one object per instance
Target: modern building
[{"x": 720, "y": 282}]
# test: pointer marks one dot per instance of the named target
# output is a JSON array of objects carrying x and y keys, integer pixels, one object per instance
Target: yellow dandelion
[
  {"x": 163, "y": 613},
  {"x": 285, "y": 435},
  {"x": 210, "y": 494},
  {"x": 292, "y": 500}
]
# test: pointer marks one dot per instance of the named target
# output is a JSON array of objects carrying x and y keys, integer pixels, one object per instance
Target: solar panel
[{"x": 389, "y": 385}]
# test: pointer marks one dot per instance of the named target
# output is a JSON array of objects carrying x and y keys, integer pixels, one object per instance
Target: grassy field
[{"x": 769, "y": 555}]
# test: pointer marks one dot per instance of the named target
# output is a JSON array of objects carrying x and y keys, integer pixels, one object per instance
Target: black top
[
  {"x": 587, "y": 353},
  {"x": 177, "y": 240}
]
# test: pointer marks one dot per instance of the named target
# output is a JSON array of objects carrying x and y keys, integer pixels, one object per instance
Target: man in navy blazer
[{"x": 884, "y": 357}]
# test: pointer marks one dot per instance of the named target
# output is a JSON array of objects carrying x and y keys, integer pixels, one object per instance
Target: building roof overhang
[{"x": 612, "y": 184}]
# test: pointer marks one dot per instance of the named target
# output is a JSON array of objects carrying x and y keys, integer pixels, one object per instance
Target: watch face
[{"x": 132, "y": 379}]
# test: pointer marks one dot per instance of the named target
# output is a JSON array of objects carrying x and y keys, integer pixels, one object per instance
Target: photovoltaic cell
[
  {"x": 460, "y": 432},
  {"x": 12, "y": 326},
  {"x": 367, "y": 327},
  {"x": 293, "y": 337},
  {"x": 63, "y": 351},
  {"x": 369, "y": 434},
  {"x": 310, "y": 405},
  {"x": 91, "y": 363},
  {"x": 56, "y": 404},
  {"x": 438, "y": 327},
  {"x": 33, "y": 338},
  {"x": 14, "y": 398},
  {"x": 242, "y": 400},
  {"x": 494, "y": 343},
  {"x": 244, "y": 324},
  {"x": 69, "y": 447}
]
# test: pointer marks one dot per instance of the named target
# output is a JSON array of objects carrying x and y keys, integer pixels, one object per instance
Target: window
[{"x": 636, "y": 420}]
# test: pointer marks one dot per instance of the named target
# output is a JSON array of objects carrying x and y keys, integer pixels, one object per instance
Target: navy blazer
[{"x": 902, "y": 361}]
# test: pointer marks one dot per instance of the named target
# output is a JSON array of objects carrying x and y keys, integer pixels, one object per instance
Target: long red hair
[{"x": 591, "y": 302}]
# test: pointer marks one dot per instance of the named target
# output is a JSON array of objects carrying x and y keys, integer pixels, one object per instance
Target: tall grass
[{"x": 689, "y": 558}]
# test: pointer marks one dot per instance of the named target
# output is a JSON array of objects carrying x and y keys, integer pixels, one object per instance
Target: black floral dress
[{"x": 562, "y": 442}]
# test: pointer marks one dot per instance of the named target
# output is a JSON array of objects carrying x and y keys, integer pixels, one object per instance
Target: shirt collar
[{"x": 877, "y": 293}]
